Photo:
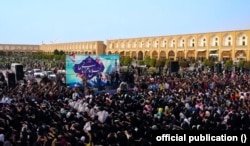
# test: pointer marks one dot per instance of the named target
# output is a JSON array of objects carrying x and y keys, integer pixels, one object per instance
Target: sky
[{"x": 57, "y": 21}]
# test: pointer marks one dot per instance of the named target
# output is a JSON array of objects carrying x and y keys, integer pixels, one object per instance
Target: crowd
[{"x": 50, "y": 113}]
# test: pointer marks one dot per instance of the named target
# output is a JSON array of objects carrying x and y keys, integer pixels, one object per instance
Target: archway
[
  {"x": 140, "y": 55},
  {"x": 109, "y": 52},
  {"x": 127, "y": 53},
  {"x": 163, "y": 55},
  {"x": 226, "y": 55},
  {"x": 155, "y": 54},
  {"x": 116, "y": 52},
  {"x": 240, "y": 55},
  {"x": 134, "y": 55},
  {"x": 213, "y": 55},
  {"x": 171, "y": 55},
  {"x": 86, "y": 53},
  {"x": 180, "y": 55},
  {"x": 147, "y": 53},
  {"x": 201, "y": 55},
  {"x": 191, "y": 55},
  {"x": 122, "y": 53}
]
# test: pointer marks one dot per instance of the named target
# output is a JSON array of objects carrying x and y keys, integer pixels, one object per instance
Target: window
[
  {"x": 204, "y": 42},
  {"x": 141, "y": 44},
  {"x": 173, "y": 43},
  {"x": 164, "y": 44},
  {"x": 128, "y": 44},
  {"x": 135, "y": 44},
  {"x": 243, "y": 41},
  {"x": 156, "y": 44},
  {"x": 183, "y": 43},
  {"x": 149, "y": 44},
  {"x": 216, "y": 44},
  {"x": 192, "y": 43},
  {"x": 229, "y": 43}
]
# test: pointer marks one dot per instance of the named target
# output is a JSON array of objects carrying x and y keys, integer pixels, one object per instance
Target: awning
[
  {"x": 213, "y": 49},
  {"x": 201, "y": 50},
  {"x": 213, "y": 55}
]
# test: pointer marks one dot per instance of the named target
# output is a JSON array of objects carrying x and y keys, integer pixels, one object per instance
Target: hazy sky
[{"x": 37, "y": 21}]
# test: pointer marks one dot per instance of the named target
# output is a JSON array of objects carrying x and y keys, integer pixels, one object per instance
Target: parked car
[
  {"x": 38, "y": 73},
  {"x": 50, "y": 74}
]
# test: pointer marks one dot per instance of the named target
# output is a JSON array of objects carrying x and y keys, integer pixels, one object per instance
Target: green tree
[
  {"x": 126, "y": 60},
  {"x": 228, "y": 64},
  {"x": 141, "y": 62},
  {"x": 61, "y": 52},
  {"x": 208, "y": 63},
  {"x": 241, "y": 63},
  {"x": 56, "y": 52},
  {"x": 152, "y": 62},
  {"x": 183, "y": 63},
  {"x": 147, "y": 60},
  {"x": 2, "y": 53},
  {"x": 247, "y": 64},
  {"x": 167, "y": 62},
  {"x": 160, "y": 63},
  {"x": 63, "y": 57}
]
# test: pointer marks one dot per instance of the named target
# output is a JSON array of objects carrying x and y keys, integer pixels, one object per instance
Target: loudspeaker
[
  {"x": 19, "y": 72},
  {"x": 11, "y": 79},
  {"x": 218, "y": 67},
  {"x": 174, "y": 66}
]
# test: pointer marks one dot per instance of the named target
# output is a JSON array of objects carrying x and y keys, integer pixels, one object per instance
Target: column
[{"x": 247, "y": 51}]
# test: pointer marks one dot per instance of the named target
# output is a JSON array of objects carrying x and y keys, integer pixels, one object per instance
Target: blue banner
[{"x": 91, "y": 70}]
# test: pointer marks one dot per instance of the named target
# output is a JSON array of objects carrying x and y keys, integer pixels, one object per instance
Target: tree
[
  {"x": 241, "y": 63},
  {"x": 2, "y": 53},
  {"x": 228, "y": 64},
  {"x": 167, "y": 62},
  {"x": 152, "y": 62},
  {"x": 56, "y": 52},
  {"x": 160, "y": 63},
  {"x": 141, "y": 62},
  {"x": 183, "y": 63},
  {"x": 126, "y": 60},
  {"x": 247, "y": 64},
  {"x": 61, "y": 52},
  {"x": 208, "y": 63},
  {"x": 147, "y": 60}
]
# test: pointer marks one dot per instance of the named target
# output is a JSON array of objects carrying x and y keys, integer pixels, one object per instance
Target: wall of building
[
  {"x": 216, "y": 45},
  {"x": 93, "y": 47},
  {"x": 19, "y": 48}
]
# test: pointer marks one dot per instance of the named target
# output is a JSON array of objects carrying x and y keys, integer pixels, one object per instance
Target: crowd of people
[{"x": 50, "y": 113}]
